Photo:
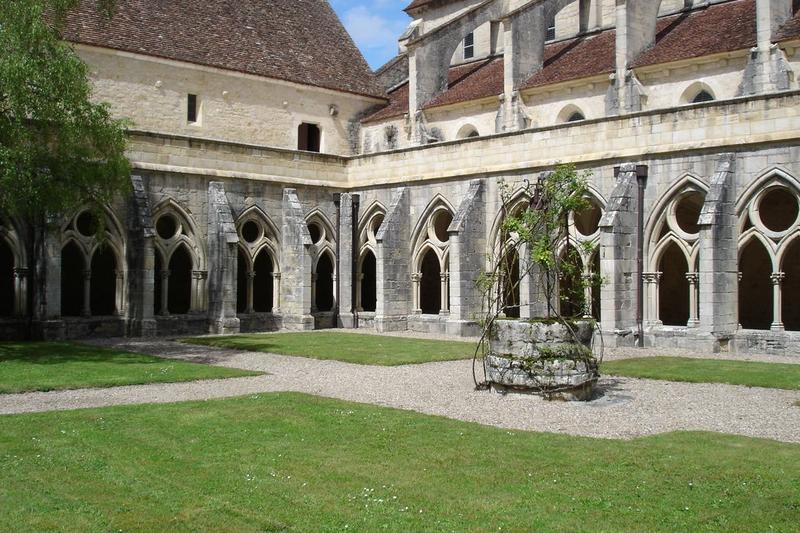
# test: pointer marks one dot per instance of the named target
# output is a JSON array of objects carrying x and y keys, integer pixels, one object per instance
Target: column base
[
  {"x": 225, "y": 326},
  {"x": 147, "y": 327},
  {"x": 777, "y": 326}
]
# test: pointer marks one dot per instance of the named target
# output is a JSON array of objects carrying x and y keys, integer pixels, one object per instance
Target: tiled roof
[
  {"x": 421, "y": 3},
  {"x": 398, "y": 106},
  {"x": 472, "y": 82},
  {"x": 301, "y": 41},
  {"x": 790, "y": 30},
  {"x": 719, "y": 28}
]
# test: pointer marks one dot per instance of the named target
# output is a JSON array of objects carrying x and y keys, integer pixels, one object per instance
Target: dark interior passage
[
  {"x": 597, "y": 286},
  {"x": 262, "y": 283},
  {"x": 369, "y": 296},
  {"x": 72, "y": 280},
  {"x": 673, "y": 304},
  {"x": 241, "y": 282},
  {"x": 430, "y": 288},
  {"x": 755, "y": 289},
  {"x": 179, "y": 297},
  {"x": 103, "y": 283},
  {"x": 157, "y": 286},
  {"x": 324, "y": 284},
  {"x": 6, "y": 279},
  {"x": 791, "y": 288}
]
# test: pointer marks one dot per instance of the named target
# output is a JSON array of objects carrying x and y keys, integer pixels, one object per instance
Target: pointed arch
[
  {"x": 437, "y": 203},
  {"x": 685, "y": 182},
  {"x": 570, "y": 113},
  {"x": 467, "y": 131},
  {"x": 775, "y": 174},
  {"x": 697, "y": 92},
  {"x": 256, "y": 212},
  {"x": 756, "y": 265},
  {"x": 187, "y": 233}
]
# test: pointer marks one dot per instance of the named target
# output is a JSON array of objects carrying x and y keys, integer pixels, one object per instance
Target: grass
[
  {"x": 346, "y": 347},
  {"x": 26, "y": 367},
  {"x": 289, "y": 461},
  {"x": 751, "y": 374}
]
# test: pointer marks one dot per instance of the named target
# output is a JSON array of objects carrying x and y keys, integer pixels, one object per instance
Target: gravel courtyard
[{"x": 626, "y": 408}]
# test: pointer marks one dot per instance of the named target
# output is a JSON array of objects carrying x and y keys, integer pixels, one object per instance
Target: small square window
[
  {"x": 191, "y": 109},
  {"x": 469, "y": 46},
  {"x": 308, "y": 137},
  {"x": 551, "y": 33}
]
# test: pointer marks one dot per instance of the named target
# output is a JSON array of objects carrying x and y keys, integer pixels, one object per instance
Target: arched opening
[
  {"x": 73, "y": 267},
  {"x": 430, "y": 290},
  {"x": 571, "y": 113},
  {"x": 103, "y": 300},
  {"x": 791, "y": 287},
  {"x": 369, "y": 295},
  {"x": 179, "y": 298},
  {"x": 755, "y": 290},
  {"x": 324, "y": 283},
  {"x": 6, "y": 279},
  {"x": 241, "y": 282},
  {"x": 262, "y": 283},
  {"x": 570, "y": 287},
  {"x": 577, "y": 116},
  {"x": 511, "y": 288},
  {"x": 467, "y": 131},
  {"x": 674, "y": 288}
]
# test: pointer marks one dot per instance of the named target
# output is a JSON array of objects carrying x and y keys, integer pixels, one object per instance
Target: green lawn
[
  {"x": 751, "y": 374},
  {"x": 289, "y": 461},
  {"x": 28, "y": 367},
  {"x": 347, "y": 347}
]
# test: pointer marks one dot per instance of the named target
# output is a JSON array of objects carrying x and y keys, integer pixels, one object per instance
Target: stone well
[{"x": 542, "y": 358}]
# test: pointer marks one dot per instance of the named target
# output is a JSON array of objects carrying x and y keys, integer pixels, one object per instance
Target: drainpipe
[
  {"x": 356, "y": 202},
  {"x": 641, "y": 180},
  {"x": 337, "y": 201}
]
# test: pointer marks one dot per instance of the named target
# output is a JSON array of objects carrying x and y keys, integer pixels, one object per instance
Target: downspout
[
  {"x": 337, "y": 201},
  {"x": 356, "y": 202},
  {"x": 641, "y": 180}
]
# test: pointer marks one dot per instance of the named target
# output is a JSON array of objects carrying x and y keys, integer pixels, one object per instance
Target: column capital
[
  {"x": 652, "y": 277},
  {"x": 416, "y": 277},
  {"x": 276, "y": 275},
  {"x": 87, "y": 275},
  {"x": 777, "y": 277},
  {"x": 165, "y": 274},
  {"x": 251, "y": 275},
  {"x": 199, "y": 274},
  {"x": 693, "y": 278},
  {"x": 22, "y": 273}
]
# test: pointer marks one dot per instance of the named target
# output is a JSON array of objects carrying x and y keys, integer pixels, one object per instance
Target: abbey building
[{"x": 279, "y": 183}]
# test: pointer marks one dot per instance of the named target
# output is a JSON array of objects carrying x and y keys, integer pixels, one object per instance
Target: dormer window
[
  {"x": 469, "y": 46},
  {"x": 191, "y": 109},
  {"x": 308, "y": 137},
  {"x": 550, "y": 35}
]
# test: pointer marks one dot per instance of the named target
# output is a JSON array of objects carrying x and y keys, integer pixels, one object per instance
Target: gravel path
[{"x": 627, "y": 408}]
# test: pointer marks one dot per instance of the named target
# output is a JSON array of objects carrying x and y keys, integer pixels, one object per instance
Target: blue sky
[{"x": 375, "y": 26}]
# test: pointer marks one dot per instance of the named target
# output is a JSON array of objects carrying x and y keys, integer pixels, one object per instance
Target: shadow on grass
[{"x": 53, "y": 353}]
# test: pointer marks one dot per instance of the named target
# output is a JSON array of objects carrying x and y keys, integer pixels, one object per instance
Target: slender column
[
  {"x": 445, "y": 285},
  {"x": 250, "y": 296},
  {"x": 739, "y": 318},
  {"x": 415, "y": 280},
  {"x": 198, "y": 290},
  {"x": 119, "y": 291},
  {"x": 164, "y": 310},
  {"x": 276, "y": 292},
  {"x": 777, "y": 313},
  {"x": 693, "y": 278},
  {"x": 359, "y": 281},
  {"x": 87, "y": 293},
  {"x": 653, "y": 281},
  {"x": 335, "y": 280},
  {"x": 20, "y": 290}
]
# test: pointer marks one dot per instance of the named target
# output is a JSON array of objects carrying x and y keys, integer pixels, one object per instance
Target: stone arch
[
  {"x": 178, "y": 241},
  {"x": 369, "y": 224},
  {"x": 692, "y": 93},
  {"x": 571, "y": 295},
  {"x": 672, "y": 250},
  {"x": 102, "y": 284},
  {"x": 258, "y": 268},
  {"x": 769, "y": 213},
  {"x": 570, "y": 113},
  {"x": 467, "y": 131}
]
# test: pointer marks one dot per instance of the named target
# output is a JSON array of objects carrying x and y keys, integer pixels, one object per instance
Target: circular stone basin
[{"x": 542, "y": 358}]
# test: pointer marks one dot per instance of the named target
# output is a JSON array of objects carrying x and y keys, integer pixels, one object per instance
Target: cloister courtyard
[{"x": 346, "y": 431}]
